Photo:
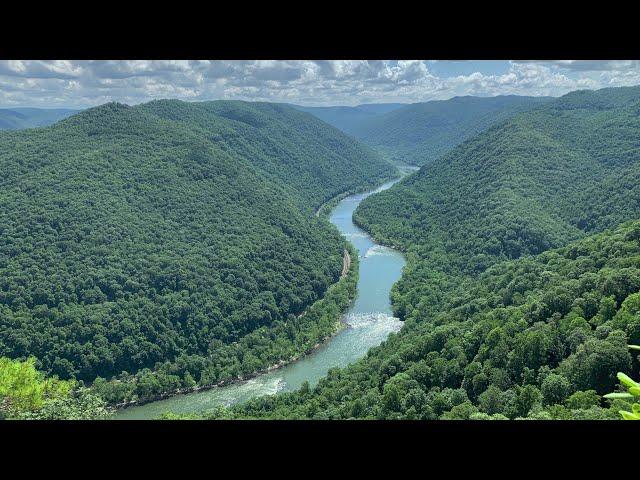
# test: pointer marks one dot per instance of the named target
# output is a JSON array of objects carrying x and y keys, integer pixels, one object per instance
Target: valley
[
  {"x": 161, "y": 249},
  {"x": 520, "y": 291},
  {"x": 476, "y": 258}
]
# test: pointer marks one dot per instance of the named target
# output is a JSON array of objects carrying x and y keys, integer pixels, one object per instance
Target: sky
[{"x": 86, "y": 83}]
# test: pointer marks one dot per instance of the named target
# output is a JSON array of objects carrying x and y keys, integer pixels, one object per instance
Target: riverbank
[
  {"x": 405, "y": 171},
  {"x": 346, "y": 269},
  {"x": 333, "y": 300}
]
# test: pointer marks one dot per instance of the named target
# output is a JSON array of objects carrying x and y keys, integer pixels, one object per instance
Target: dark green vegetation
[
  {"x": 351, "y": 120},
  {"x": 172, "y": 241},
  {"x": 419, "y": 133},
  {"x": 308, "y": 158},
  {"x": 18, "y": 118},
  {"x": 537, "y": 181},
  {"x": 515, "y": 306},
  {"x": 265, "y": 347}
]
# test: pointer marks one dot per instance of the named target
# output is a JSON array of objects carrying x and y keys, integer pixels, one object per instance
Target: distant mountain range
[
  {"x": 351, "y": 119},
  {"x": 18, "y": 118},
  {"x": 414, "y": 134},
  {"x": 418, "y": 133}
]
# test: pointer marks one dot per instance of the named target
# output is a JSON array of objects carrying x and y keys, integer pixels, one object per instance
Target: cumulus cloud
[{"x": 341, "y": 82}]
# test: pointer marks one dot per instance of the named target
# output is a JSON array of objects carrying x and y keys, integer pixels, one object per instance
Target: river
[{"x": 368, "y": 323}]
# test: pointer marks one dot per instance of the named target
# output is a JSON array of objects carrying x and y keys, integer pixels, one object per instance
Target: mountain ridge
[{"x": 19, "y": 118}]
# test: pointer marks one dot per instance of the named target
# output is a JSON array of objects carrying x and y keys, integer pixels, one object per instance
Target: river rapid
[{"x": 368, "y": 322}]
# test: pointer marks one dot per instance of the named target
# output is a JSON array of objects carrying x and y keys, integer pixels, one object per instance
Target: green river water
[{"x": 368, "y": 323}]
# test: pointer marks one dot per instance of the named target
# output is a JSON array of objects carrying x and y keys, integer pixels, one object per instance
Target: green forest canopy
[
  {"x": 161, "y": 235},
  {"x": 539, "y": 337}
]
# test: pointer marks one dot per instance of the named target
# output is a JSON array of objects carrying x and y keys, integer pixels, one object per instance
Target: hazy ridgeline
[
  {"x": 351, "y": 120},
  {"x": 418, "y": 133},
  {"x": 18, "y": 118}
]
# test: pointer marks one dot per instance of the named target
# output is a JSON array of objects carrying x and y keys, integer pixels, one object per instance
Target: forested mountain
[
  {"x": 171, "y": 239},
  {"x": 17, "y": 118},
  {"x": 313, "y": 160},
  {"x": 534, "y": 182},
  {"x": 496, "y": 322},
  {"x": 351, "y": 120},
  {"x": 419, "y": 133}
]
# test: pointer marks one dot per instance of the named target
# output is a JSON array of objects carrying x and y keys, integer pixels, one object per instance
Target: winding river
[{"x": 368, "y": 323}]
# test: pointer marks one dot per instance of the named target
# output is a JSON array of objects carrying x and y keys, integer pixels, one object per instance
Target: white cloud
[
  {"x": 595, "y": 65},
  {"x": 346, "y": 82}
]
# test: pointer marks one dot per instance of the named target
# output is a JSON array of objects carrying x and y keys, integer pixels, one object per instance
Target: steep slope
[
  {"x": 534, "y": 182},
  {"x": 491, "y": 329},
  {"x": 419, "y": 133},
  {"x": 313, "y": 159},
  {"x": 17, "y": 118},
  {"x": 350, "y": 119},
  {"x": 132, "y": 241}
]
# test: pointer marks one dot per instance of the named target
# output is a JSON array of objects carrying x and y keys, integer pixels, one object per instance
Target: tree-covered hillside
[
  {"x": 534, "y": 182},
  {"x": 159, "y": 237},
  {"x": 351, "y": 120},
  {"x": 312, "y": 159},
  {"x": 17, "y": 118},
  {"x": 496, "y": 322},
  {"x": 419, "y": 133}
]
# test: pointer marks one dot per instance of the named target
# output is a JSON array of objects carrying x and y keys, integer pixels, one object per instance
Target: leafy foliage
[
  {"x": 26, "y": 394},
  {"x": 632, "y": 393}
]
